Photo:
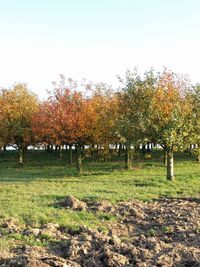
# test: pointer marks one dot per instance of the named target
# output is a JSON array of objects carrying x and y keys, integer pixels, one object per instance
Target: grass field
[{"x": 31, "y": 194}]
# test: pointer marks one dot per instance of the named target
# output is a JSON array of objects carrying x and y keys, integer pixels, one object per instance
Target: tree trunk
[
  {"x": 148, "y": 147},
  {"x": 170, "y": 164},
  {"x": 60, "y": 152},
  {"x": 79, "y": 159},
  {"x": 116, "y": 148},
  {"x": 190, "y": 150},
  {"x": 70, "y": 158},
  {"x": 137, "y": 148},
  {"x": 120, "y": 150},
  {"x": 143, "y": 150},
  {"x": 21, "y": 154},
  {"x": 198, "y": 155},
  {"x": 105, "y": 152},
  {"x": 56, "y": 150},
  {"x": 48, "y": 148},
  {"x": 128, "y": 158},
  {"x": 165, "y": 156}
]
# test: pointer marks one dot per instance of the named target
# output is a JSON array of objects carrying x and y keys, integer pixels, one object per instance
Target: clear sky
[{"x": 96, "y": 39}]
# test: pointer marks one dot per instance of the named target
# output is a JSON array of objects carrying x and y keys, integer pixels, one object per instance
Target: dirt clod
[{"x": 74, "y": 203}]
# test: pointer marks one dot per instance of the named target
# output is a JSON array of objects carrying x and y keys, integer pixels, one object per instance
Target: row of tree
[{"x": 161, "y": 108}]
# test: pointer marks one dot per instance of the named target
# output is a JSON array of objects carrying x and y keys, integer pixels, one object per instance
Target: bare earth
[{"x": 163, "y": 233}]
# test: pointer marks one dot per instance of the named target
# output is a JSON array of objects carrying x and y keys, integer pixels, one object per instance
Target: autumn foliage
[{"x": 160, "y": 108}]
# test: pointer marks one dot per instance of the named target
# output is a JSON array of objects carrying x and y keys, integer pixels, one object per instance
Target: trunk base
[{"x": 170, "y": 164}]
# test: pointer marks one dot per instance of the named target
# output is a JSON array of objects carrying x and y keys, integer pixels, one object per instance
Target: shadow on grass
[
  {"x": 42, "y": 165},
  {"x": 11, "y": 172}
]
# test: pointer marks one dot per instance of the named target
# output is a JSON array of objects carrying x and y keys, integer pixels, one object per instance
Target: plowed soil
[{"x": 165, "y": 232}]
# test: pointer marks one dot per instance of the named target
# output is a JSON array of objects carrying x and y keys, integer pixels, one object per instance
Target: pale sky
[{"x": 96, "y": 39}]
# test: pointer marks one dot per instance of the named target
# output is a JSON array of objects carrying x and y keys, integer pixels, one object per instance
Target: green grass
[{"x": 31, "y": 194}]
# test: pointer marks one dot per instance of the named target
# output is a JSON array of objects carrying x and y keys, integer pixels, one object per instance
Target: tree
[
  {"x": 134, "y": 110},
  {"x": 194, "y": 137},
  {"x": 18, "y": 106},
  {"x": 105, "y": 104},
  {"x": 168, "y": 116},
  {"x": 65, "y": 118}
]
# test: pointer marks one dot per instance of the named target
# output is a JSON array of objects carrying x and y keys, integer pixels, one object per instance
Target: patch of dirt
[
  {"x": 162, "y": 233},
  {"x": 74, "y": 203},
  {"x": 104, "y": 206},
  {"x": 11, "y": 225}
]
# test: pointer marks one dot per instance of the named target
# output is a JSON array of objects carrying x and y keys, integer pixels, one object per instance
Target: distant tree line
[{"x": 153, "y": 108}]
